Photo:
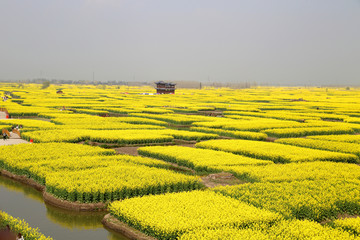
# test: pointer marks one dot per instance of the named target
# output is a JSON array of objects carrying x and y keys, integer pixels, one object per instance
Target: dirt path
[
  {"x": 127, "y": 150},
  {"x": 220, "y": 179}
]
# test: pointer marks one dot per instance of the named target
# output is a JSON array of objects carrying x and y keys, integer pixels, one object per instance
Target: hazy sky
[{"x": 267, "y": 41}]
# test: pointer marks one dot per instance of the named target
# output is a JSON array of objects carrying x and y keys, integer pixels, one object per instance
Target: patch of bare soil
[
  {"x": 179, "y": 126},
  {"x": 345, "y": 215},
  {"x": 215, "y": 113},
  {"x": 225, "y": 137},
  {"x": 271, "y": 139},
  {"x": 111, "y": 114},
  {"x": 220, "y": 179},
  {"x": 297, "y": 100},
  {"x": 180, "y": 141},
  {"x": 179, "y": 168},
  {"x": 127, "y": 150},
  {"x": 133, "y": 150},
  {"x": 116, "y": 225},
  {"x": 184, "y": 142},
  {"x": 192, "y": 145}
]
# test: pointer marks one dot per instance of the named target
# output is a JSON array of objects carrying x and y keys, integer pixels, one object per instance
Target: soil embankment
[
  {"x": 52, "y": 200},
  {"x": 116, "y": 225},
  {"x": 74, "y": 206},
  {"x": 23, "y": 179}
]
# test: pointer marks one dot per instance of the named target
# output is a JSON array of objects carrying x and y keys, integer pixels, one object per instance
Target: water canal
[{"x": 26, "y": 203}]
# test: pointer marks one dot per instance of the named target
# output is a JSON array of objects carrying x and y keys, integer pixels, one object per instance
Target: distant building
[
  {"x": 59, "y": 92},
  {"x": 165, "y": 88}
]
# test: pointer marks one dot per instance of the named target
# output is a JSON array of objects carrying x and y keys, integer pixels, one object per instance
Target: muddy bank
[
  {"x": 116, "y": 225},
  {"x": 52, "y": 200},
  {"x": 23, "y": 179},
  {"x": 74, "y": 206}
]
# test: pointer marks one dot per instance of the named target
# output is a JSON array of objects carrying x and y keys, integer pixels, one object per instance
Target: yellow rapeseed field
[
  {"x": 296, "y": 151},
  {"x": 20, "y": 226}
]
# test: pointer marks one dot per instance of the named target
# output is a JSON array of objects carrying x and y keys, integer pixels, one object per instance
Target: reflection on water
[
  {"x": 26, "y": 203},
  {"x": 19, "y": 187},
  {"x": 70, "y": 219}
]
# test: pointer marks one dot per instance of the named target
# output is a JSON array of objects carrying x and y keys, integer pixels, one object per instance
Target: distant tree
[{"x": 45, "y": 84}]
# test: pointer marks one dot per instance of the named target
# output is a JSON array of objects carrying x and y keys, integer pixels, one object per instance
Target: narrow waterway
[{"x": 26, "y": 203}]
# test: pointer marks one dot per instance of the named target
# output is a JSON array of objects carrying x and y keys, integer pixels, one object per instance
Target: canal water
[{"x": 26, "y": 203}]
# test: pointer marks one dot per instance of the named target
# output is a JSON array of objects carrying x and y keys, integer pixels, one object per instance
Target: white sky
[{"x": 286, "y": 42}]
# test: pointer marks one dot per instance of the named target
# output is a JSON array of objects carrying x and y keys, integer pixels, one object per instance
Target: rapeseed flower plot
[
  {"x": 116, "y": 182},
  {"x": 199, "y": 159},
  {"x": 29, "y": 124},
  {"x": 86, "y": 174},
  {"x": 169, "y": 216},
  {"x": 275, "y": 151},
  {"x": 315, "y": 179},
  {"x": 286, "y": 230},
  {"x": 315, "y": 200},
  {"x": 293, "y": 171},
  {"x": 344, "y": 147},
  {"x": 307, "y": 131},
  {"x": 173, "y": 118},
  {"x": 234, "y": 134},
  {"x": 351, "y": 225},
  {"x": 339, "y": 138},
  {"x": 96, "y": 120}
]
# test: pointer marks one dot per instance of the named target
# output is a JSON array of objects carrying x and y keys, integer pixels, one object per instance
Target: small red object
[
  {"x": 31, "y": 140},
  {"x": 7, "y": 116}
]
